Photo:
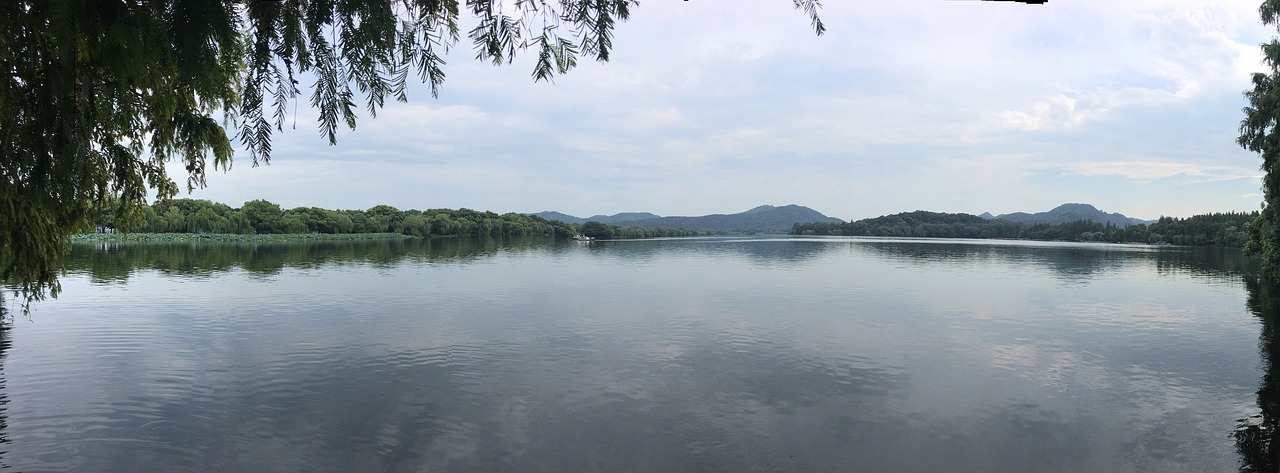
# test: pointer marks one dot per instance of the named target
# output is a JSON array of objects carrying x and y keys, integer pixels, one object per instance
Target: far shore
[{"x": 229, "y": 237}]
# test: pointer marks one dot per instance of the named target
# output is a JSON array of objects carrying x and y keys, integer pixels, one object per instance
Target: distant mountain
[
  {"x": 615, "y": 219},
  {"x": 762, "y": 208},
  {"x": 566, "y": 218},
  {"x": 987, "y": 215},
  {"x": 1069, "y": 213},
  {"x": 765, "y": 218},
  {"x": 622, "y": 218}
]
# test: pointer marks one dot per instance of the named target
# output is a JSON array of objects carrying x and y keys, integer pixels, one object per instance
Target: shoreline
[{"x": 229, "y": 237}]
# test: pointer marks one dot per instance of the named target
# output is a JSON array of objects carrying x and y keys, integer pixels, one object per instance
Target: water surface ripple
[{"x": 741, "y": 354}]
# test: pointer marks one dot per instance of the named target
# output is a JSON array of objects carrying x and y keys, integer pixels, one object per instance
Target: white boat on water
[{"x": 580, "y": 237}]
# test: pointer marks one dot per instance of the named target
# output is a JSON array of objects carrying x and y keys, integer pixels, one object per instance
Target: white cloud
[
  {"x": 988, "y": 171},
  {"x": 659, "y": 119},
  {"x": 1144, "y": 171},
  {"x": 902, "y": 105},
  {"x": 1104, "y": 57},
  {"x": 1057, "y": 113}
]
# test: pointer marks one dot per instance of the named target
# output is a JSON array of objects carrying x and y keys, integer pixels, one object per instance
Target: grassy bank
[{"x": 229, "y": 237}]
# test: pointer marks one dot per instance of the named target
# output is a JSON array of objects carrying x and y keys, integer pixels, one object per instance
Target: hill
[
  {"x": 550, "y": 215},
  {"x": 1067, "y": 213},
  {"x": 764, "y": 219},
  {"x": 1218, "y": 229},
  {"x": 615, "y": 219},
  {"x": 622, "y": 218}
]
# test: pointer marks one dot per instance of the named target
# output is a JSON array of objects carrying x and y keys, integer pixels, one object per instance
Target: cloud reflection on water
[{"x": 690, "y": 355}]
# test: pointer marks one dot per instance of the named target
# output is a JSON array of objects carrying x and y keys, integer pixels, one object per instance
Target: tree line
[
  {"x": 1216, "y": 229},
  {"x": 265, "y": 217}
]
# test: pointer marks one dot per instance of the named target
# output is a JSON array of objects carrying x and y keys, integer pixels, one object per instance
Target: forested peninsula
[
  {"x": 261, "y": 218},
  {"x": 1218, "y": 229}
]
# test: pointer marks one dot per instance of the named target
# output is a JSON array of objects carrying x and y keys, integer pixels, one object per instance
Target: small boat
[{"x": 581, "y": 237}]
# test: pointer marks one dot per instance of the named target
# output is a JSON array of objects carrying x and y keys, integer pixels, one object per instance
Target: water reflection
[
  {"x": 1072, "y": 262},
  {"x": 116, "y": 262},
  {"x": 770, "y": 252},
  {"x": 107, "y": 263},
  {"x": 4, "y": 398},
  {"x": 1212, "y": 263},
  {"x": 678, "y": 355},
  {"x": 1258, "y": 437}
]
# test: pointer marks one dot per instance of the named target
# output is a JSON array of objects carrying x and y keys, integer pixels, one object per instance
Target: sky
[{"x": 718, "y": 106}]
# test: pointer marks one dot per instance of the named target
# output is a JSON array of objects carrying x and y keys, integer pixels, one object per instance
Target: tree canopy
[
  {"x": 1260, "y": 133},
  {"x": 262, "y": 217},
  {"x": 98, "y": 95},
  {"x": 1218, "y": 229}
]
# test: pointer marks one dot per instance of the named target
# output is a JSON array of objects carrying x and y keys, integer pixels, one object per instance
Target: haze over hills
[
  {"x": 552, "y": 215},
  {"x": 1069, "y": 213},
  {"x": 768, "y": 218},
  {"x": 765, "y": 218},
  {"x": 615, "y": 219},
  {"x": 618, "y": 219}
]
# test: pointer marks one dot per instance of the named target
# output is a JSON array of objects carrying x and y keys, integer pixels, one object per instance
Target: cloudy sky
[{"x": 717, "y": 106}]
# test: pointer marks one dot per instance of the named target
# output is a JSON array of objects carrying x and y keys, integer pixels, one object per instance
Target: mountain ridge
[
  {"x": 619, "y": 218},
  {"x": 764, "y": 218},
  {"x": 769, "y": 218},
  {"x": 1069, "y": 212}
]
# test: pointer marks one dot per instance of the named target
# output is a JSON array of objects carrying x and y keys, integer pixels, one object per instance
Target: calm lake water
[{"x": 716, "y": 355}]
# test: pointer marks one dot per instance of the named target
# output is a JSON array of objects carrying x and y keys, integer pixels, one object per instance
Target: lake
[{"x": 708, "y": 355}]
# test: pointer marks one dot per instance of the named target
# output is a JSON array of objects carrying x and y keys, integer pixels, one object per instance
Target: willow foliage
[{"x": 97, "y": 95}]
